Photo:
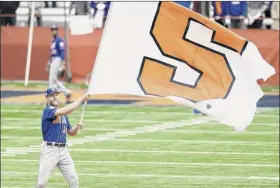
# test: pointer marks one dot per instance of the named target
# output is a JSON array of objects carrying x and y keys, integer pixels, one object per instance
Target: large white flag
[{"x": 165, "y": 50}]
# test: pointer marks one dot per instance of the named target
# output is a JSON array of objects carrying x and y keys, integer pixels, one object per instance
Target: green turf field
[
  {"x": 38, "y": 85},
  {"x": 162, "y": 147}
]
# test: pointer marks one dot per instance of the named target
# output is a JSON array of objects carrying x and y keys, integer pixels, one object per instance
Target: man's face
[
  {"x": 53, "y": 99},
  {"x": 54, "y": 32}
]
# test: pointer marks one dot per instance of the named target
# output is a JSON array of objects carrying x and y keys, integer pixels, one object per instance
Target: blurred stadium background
[
  {"x": 194, "y": 153},
  {"x": 15, "y": 21}
]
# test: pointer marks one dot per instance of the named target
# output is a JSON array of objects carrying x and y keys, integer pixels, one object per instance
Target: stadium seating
[
  {"x": 59, "y": 14},
  {"x": 49, "y": 16},
  {"x": 213, "y": 15}
]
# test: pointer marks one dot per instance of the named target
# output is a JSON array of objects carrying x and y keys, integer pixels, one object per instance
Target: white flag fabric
[
  {"x": 165, "y": 50},
  {"x": 80, "y": 25}
]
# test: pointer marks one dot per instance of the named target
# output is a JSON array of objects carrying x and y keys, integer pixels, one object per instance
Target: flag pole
[
  {"x": 82, "y": 115},
  {"x": 30, "y": 39},
  {"x": 100, "y": 45},
  {"x": 83, "y": 112}
]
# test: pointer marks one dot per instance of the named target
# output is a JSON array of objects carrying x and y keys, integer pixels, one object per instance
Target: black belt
[{"x": 56, "y": 144}]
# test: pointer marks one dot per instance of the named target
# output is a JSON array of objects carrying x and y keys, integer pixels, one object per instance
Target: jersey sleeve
[
  {"x": 68, "y": 124},
  {"x": 49, "y": 113},
  {"x": 61, "y": 47}
]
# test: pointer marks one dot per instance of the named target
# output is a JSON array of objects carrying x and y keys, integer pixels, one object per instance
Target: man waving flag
[{"x": 170, "y": 51}]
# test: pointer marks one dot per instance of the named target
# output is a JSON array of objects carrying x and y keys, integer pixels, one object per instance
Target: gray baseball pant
[
  {"x": 53, "y": 79},
  {"x": 51, "y": 157}
]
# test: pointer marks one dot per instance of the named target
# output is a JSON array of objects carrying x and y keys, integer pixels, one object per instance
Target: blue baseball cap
[{"x": 51, "y": 91}]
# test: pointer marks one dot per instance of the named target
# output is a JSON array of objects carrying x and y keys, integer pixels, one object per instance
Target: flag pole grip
[
  {"x": 83, "y": 111},
  {"x": 82, "y": 114}
]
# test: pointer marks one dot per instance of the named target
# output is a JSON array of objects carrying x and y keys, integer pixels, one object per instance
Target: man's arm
[
  {"x": 71, "y": 107},
  {"x": 74, "y": 131},
  {"x": 61, "y": 46},
  {"x": 47, "y": 68}
]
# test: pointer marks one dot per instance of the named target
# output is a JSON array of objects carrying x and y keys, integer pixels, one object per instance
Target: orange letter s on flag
[{"x": 169, "y": 32}]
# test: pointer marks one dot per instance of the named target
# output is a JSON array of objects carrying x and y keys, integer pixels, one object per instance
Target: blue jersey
[
  {"x": 57, "y": 47},
  {"x": 54, "y": 129},
  {"x": 237, "y": 8},
  {"x": 221, "y": 8},
  {"x": 93, "y": 5}
]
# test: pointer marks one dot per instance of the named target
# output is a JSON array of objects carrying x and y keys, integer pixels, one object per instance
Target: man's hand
[
  {"x": 47, "y": 68},
  {"x": 62, "y": 65},
  {"x": 76, "y": 130},
  {"x": 60, "y": 72},
  {"x": 80, "y": 126},
  {"x": 85, "y": 97}
]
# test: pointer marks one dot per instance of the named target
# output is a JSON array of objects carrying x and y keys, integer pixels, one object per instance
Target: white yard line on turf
[
  {"x": 39, "y": 111},
  {"x": 36, "y": 121},
  {"x": 257, "y": 143},
  {"x": 184, "y": 131},
  {"x": 14, "y": 173},
  {"x": 221, "y": 132},
  {"x": 127, "y": 132},
  {"x": 3, "y": 119},
  {"x": 90, "y": 162},
  {"x": 57, "y": 185},
  {"x": 196, "y": 141},
  {"x": 37, "y": 149}
]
